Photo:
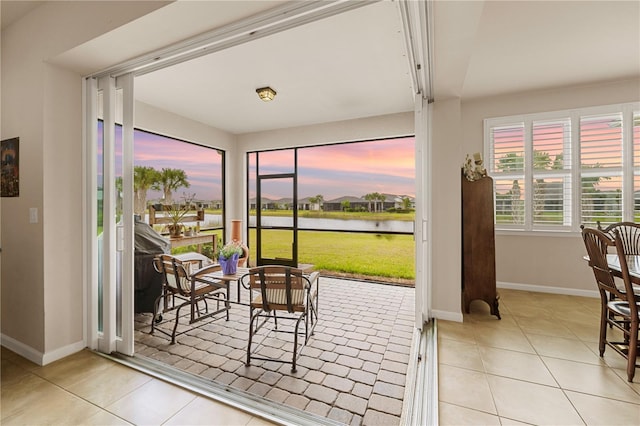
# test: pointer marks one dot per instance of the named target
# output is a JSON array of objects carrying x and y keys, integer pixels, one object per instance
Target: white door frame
[{"x": 116, "y": 245}]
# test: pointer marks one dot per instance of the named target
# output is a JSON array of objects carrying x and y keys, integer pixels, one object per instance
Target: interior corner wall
[
  {"x": 62, "y": 203},
  {"x": 42, "y": 106},
  {"x": 22, "y": 313},
  {"x": 543, "y": 262},
  {"x": 446, "y": 136}
]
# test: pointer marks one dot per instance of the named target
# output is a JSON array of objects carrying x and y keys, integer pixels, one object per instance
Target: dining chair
[
  {"x": 619, "y": 308},
  {"x": 188, "y": 282},
  {"x": 629, "y": 234},
  {"x": 281, "y": 293}
]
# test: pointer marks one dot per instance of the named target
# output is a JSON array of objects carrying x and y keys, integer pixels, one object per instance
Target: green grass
[{"x": 390, "y": 256}]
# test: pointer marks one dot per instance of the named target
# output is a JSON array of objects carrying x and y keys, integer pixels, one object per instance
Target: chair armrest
[
  {"x": 207, "y": 269},
  {"x": 311, "y": 280}
]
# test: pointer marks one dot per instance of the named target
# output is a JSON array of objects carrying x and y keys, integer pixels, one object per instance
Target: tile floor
[
  {"x": 538, "y": 365},
  {"x": 352, "y": 371},
  {"x": 88, "y": 389}
]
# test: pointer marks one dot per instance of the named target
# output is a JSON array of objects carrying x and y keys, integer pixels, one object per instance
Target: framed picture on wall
[{"x": 9, "y": 154}]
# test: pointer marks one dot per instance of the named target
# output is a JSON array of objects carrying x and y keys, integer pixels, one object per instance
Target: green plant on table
[
  {"x": 177, "y": 212},
  {"x": 228, "y": 250}
]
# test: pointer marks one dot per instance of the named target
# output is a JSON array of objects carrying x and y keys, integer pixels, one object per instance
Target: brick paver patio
[{"x": 353, "y": 370}]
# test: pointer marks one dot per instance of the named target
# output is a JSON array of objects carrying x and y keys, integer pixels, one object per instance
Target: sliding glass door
[{"x": 109, "y": 228}]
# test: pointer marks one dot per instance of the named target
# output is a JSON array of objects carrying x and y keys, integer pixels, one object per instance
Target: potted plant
[
  {"x": 228, "y": 257},
  {"x": 176, "y": 212}
]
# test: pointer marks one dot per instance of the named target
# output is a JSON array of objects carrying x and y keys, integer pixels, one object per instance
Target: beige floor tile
[
  {"x": 23, "y": 363},
  {"x": 560, "y": 347},
  {"x": 257, "y": 421},
  {"x": 514, "y": 340},
  {"x": 465, "y": 388},
  {"x": 48, "y": 404},
  {"x": 524, "y": 312},
  {"x": 603, "y": 411},
  {"x": 203, "y": 411},
  {"x": 504, "y": 421},
  {"x": 107, "y": 385},
  {"x": 544, "y": 326},
  {"x": 449, "y": 414},
  {"x": 622, "y": 373},
  {"x": 532, "y": 403},
  {"x": 455, "y": 331},
  {"x": 21, "y": 394},
  {"x": 459, "y": 354},
  {"x": 591, "y": 379},
  {"x": 153, "y": 403},
  {"x": 105, "y": 418},
  {"x": 516, "y": 365},
  {"x": 589, "y": 333},
  {"x": 73, "y": 368},
  {"x": 11, "y": 373}
]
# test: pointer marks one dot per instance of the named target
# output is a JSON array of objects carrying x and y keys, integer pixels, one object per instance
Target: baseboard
[
  {"x": 21, "y": 349},
  {"x": 446, "y": 315},
  {"x": 548, "y": 289},
  {"x": 38, "y": 357},
  {"x": 62, "y": 352}
]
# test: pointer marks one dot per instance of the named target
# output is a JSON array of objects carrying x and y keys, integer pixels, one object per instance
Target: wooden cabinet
[{"x": 478, "y": 244}]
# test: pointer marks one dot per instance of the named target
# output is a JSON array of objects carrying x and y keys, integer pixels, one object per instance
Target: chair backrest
[
  {"x": 177, "y": 274},
  {"x": 281, "y": 287},
  {"x": 596, "y": 242},
  {"x": 628, "y": 295},
  {"x": 629, "y": 233}
]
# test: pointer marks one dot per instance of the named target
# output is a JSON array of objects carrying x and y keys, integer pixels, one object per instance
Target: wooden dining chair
[
  {"x": 187, "y": 282},
  {"x": 619, "y": 307},
  {"x": 629, "y": 235},
  {"x": 281, "y": 293}
]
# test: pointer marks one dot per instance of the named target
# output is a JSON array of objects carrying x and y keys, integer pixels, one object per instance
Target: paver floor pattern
[{"x": 353, "y": 369}]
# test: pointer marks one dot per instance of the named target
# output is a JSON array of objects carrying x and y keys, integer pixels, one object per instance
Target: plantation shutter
[
  {"x": 551, "y": 185},
  {"x": 636, "y": 165},
  {"x": 506, "y": 166},
  {"x": 601, "y": 168}
]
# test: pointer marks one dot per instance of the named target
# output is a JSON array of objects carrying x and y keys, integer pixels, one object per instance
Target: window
[{"x": 555, "y": 171}]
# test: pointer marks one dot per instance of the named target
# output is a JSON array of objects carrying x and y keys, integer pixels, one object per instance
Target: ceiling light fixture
[{"x": 266, "y": 93}]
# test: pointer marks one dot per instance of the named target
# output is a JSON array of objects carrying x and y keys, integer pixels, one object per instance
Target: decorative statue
[{"x": 474, "y": 169}]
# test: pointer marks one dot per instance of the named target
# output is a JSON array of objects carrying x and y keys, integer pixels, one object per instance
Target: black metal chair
[
  {"x": 186, "y": 281},
  {"x": 281, "y": 289}
]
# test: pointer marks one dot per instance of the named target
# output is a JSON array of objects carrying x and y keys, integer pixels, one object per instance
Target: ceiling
[{"x": 354, "y": 64}]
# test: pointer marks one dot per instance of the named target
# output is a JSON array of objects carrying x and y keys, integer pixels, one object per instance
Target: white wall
[
  {"x": 541, "y": 262},
  {"x": 41, "y": 282},
  {"x": 446, "y": 136}
]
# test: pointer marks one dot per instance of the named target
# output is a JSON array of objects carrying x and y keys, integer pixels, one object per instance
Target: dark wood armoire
[{"x": 478, "y": 244}]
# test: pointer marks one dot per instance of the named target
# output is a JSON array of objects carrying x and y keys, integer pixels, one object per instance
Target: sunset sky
[{"x": 351, "y": 169}]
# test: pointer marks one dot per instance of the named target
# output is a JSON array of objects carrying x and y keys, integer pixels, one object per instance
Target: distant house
[
  {"x": 399, "y": 202},
  {"x": 355, "y": 203}
]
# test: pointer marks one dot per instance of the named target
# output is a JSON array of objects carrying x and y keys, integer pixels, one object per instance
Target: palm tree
[
  {"x": 382, "y": 198},
  {"x": 318, "y": 199},
  {"x": 370, "y": 197},
  {"x": 406, "y": 203},
  {"x": 143, "y": 178},
  {"x": 169, "y": 181}
]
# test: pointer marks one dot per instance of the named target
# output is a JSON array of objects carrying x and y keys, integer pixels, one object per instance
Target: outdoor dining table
[{"x": 227, "y": 278}]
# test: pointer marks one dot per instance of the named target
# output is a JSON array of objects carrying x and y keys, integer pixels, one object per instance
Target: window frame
[{"x": 571, "y": 170}]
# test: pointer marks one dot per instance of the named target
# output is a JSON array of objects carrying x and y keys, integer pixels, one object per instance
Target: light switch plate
[{"x": 33, "y": 215}]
